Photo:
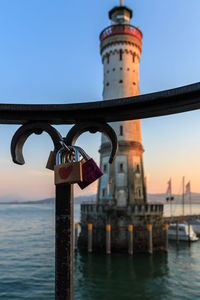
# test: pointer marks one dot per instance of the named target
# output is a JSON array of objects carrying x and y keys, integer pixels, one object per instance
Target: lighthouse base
[{"x": 138, "y": 215}]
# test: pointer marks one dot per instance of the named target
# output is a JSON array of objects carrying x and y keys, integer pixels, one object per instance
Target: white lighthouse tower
[
  {"x": 121, "y": 201},
  {"x": 121, "y": 46}
]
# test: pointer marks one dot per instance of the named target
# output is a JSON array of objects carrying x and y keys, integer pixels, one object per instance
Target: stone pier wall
[{"x": 139, "y": 215}]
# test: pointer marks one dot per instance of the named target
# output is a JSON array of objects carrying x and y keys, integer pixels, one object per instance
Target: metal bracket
[
  {"x": 93, "y": 127},
  {"x": 24, "y": 132}
]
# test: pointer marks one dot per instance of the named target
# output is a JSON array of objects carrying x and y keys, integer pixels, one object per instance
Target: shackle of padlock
[
  {"x": 63, "y": 155},
  {"x": 68, "y": 150},
  {"x": 59, "y": 155},
  {"x": 75, "y": 149},
  {"x": 64, "y": 145},
  {"x": 82, "y": 152}
]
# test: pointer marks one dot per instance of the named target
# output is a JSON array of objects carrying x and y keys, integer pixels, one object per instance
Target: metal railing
[
  {"x": 121, "y": 29},
  {"x": 91, "y": 117}
]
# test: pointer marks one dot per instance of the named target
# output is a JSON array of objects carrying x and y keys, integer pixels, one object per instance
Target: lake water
[{"x": 27, "y": 264}]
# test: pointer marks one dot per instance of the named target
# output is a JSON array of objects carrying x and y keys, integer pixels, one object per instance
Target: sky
[{"x": 50, "y": 54}]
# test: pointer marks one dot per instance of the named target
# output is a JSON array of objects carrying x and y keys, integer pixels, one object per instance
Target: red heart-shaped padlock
[{"x": 64, "y": 172}]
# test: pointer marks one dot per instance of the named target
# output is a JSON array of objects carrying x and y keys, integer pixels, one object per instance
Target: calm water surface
[{"x": 27, "y": 264}]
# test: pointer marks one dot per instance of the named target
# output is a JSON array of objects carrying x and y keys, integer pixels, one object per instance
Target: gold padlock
[
  {"x": 67, "y": 172},
  {"x": 51, "y": 161}
]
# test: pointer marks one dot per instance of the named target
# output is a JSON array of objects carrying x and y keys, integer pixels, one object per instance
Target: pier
[
  {"x": 180, "y": 219},
  {"x": 139, "y": 216},
  {"x": 144, "y": 229}
]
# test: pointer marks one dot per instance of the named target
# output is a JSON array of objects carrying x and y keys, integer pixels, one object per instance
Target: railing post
[{"x": 64, "y": 243}]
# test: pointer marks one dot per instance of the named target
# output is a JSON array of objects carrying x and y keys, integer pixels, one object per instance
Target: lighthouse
[
  {"x": 121, "y": 199},
  {"x": 120, "y": 48}
]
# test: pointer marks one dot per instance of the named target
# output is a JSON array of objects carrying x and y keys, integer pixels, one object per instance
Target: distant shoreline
[
  {"x": 77, "y": 200},
  {"x": 152, "y": 198}
]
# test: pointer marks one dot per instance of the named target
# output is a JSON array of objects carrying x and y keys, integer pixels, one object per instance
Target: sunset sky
[{"x": 50, "y": 54}]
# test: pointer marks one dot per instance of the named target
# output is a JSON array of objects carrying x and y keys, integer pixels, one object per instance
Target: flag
[
  {"x": 187, "y": 188},
  {"x": 169, "y": 188}
]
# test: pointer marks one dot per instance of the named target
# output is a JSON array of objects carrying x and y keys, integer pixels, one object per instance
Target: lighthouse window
[
  {"x": 107, "y": 84},
  {"x": 113, "y": 69},
  {"x": 121, "y": 130},
  {"x": 138, "y": 169},
  {"x": 121, "y": 81},
  {"x": 120, "y": 54},
  {"x": 134, "y": 57},
  {"x": 121, "y": 168},
  {"x": 108, "y": 59},
  {"x": 139, "y": 193},
  {"x": 104, "y": 192},
  {"x": 134, "y": 83},
  {"x": 105, "y": 168}
]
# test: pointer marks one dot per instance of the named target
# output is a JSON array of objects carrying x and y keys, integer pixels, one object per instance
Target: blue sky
[{"x": 50, "y": 54}]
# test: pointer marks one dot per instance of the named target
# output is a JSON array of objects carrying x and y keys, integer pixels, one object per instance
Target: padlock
[
  {"x": 90, "y": 170},
  {"x": 52, "y": 157},
  {"x": 69, "y": 171},
  {"x": 51, "y": 161}
]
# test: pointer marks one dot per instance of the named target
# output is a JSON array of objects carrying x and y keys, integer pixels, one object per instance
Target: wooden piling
[
  {"x": 166, "y": 237},
  {"x": 177, "y": 232},
  {"x": 130, "y": 239},
  {"x": 90, "y": 238},
  {"x": 150, "y": 243},
  {"x": 108, "y": 239},
  {"x": 76, "y": 238}
]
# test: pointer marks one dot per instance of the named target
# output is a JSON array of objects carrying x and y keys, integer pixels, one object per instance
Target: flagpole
[
  {"x": 190, "y": 201},
  {"x": 183, "y": 196},
  {"x": 169, "y": 193},
  {"x": 171, "y": 197}
]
